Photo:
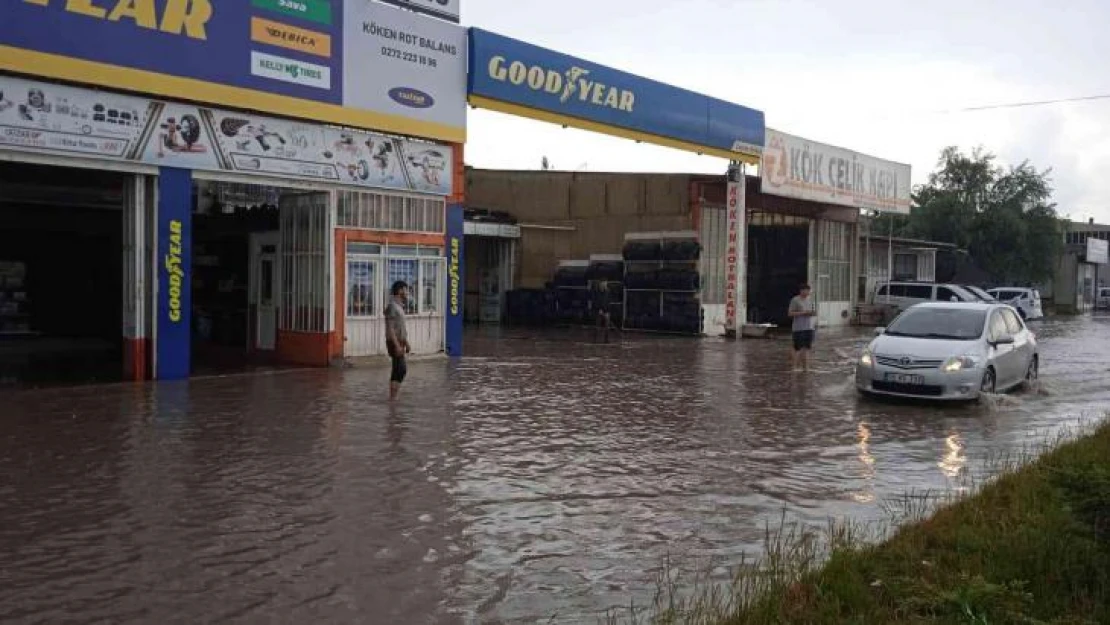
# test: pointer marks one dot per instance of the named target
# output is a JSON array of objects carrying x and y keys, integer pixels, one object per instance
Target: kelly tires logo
[{"x": 291, "y": 71}]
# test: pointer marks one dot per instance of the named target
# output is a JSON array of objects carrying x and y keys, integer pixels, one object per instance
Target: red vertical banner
[{"x": 734, "y": 251}]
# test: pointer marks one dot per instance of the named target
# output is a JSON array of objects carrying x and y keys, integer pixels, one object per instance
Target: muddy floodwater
[{"x": 539, "y": 479}]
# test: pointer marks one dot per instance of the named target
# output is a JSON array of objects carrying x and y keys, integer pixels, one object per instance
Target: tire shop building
[
  {"x": 795, "y": 232},
  {"x": 525, "y": 80},
  {"x": 203, "y": 185},
  {"x": 1081, "y": 268},
  {"x": 755, "y": 239}
]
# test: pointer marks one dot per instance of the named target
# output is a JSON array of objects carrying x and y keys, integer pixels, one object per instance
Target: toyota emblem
[{"x": 905, "y": 361}]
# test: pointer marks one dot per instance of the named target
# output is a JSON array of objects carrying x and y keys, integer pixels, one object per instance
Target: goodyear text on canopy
[
  {"x": 178, "y": 17},
  {"x": 565, "y": 85}
]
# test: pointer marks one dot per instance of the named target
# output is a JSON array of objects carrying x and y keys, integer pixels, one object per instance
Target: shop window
[
  {"x": 362, "y": 286},
  {"x": 430, "y": 281},
  {"x": 407, "y": 270},
  {"x": 371, "y": 249},
  {"x": 379, "y": 211}
]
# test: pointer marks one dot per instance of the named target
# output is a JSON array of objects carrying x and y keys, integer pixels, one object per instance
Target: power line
[{"x": 1014, "y": 105}]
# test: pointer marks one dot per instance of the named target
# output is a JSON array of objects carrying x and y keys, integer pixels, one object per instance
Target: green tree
[{"x": 1004, "y": 218}]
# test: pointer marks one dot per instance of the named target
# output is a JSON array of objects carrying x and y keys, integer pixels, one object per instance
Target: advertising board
[
  {"x": 416, "y": 65},
  {"x": 530, "y": 81},
  {"x": 806, "y": 170},
  {"x": 43, "y": 117},
  {"x": 1098, "y": 251},
  {"x": 285, "y": 57}
]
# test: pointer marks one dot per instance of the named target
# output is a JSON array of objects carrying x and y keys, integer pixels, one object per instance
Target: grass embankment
[{"x": 1032, "y": 546}]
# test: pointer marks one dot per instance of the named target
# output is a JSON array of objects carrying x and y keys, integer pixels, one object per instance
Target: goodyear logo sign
[
  {"x": 454, "y": 272},
  {"x": 519, "y": 78},
  {"x": 176, "y": 17},
  {"x": 572, "y": 83}
]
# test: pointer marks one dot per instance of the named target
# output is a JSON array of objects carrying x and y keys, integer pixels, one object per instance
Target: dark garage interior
[{"x": 61, "y": 275}]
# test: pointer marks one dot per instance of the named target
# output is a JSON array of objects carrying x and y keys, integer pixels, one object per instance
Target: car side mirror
[
  {"x": 1004, "y": 340},
  {"x": 880, "y": 331}
]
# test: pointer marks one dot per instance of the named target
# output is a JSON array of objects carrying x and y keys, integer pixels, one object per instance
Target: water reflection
[
  {"x": 866, "y": 493},
  {"x": 541, "y": 477},
  {"x": 954, "y": 460}
]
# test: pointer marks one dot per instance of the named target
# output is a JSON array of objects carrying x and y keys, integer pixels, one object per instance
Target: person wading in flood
[
  {"x": 397, "y": 337},
  {"x": 803, "y": 311},
  {"x": 604, "y": 320}
]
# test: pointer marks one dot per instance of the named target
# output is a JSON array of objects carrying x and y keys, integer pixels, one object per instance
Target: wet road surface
[{"x": 540, "y": 479}]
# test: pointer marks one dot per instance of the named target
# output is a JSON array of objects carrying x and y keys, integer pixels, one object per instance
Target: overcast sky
[{"x": 875, "y": 76}]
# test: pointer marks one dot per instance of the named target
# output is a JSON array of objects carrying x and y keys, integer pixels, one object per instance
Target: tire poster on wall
[{"x": 58, "y": 119}]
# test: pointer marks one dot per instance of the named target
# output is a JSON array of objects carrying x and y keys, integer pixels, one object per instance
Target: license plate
[{"x": 905, "y": 378}]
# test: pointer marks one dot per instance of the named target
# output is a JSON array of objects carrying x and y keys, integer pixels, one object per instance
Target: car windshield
[{"x": 939, "y": 323}]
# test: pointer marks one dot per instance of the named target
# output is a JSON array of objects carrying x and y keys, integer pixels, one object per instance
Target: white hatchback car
[
  {"x": 949, "y": 351},
  {"x": 1026, "y": 301},
  {"x": 902, "y": 295}
]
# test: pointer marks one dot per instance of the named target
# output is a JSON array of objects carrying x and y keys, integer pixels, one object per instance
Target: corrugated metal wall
[{"x": 600, "y": 207}]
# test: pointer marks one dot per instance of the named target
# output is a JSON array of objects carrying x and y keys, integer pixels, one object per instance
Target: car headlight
[
  {"x": 959, "y": 363},
  {"x": 865, "y": 358}
]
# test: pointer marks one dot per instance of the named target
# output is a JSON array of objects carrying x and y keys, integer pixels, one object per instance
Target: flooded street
[{"x": 540, "y": 479}]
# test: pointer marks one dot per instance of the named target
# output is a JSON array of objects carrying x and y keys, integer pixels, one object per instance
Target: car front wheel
[
  {"x": 1033, "y": 372},
  {"x": 988, "y": 384}
]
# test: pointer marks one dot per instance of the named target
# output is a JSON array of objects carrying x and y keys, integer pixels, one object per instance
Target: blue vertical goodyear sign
[
  {"x": 174, "y": 254},
  {"x": 455, "y": 289}
]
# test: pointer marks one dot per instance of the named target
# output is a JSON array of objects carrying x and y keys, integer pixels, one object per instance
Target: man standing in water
[
  {"x": 604, "y": 320},
  {"x": 397, "y": 336},
  {"x": 803, "y": 312}
]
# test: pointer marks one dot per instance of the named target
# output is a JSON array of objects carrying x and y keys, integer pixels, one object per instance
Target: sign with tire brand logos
[
  {"x": 282, "y": 57},
  {"x": 290, "y": 37},
  {"x": 289, "y": 70},
  {"x": 59, "y": 119}
]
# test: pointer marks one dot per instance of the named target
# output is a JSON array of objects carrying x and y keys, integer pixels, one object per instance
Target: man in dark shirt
[
  {"x": 601, "y": 311},
  {"x": 397, "y": 337}
]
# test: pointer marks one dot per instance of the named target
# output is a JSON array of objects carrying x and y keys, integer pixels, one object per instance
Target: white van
[
  {"x": 902, "y": 295},
  {"x": 1026, "y": 301}
]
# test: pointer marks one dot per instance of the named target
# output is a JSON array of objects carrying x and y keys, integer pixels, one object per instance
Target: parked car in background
[
  {"x": 1026, "y": 301},
  {"x": 902, "y": 295},
  {"x": 949, "y": 351},
  {"x": 980, "y": 293},
  {"x": 1103, "y": 300}
]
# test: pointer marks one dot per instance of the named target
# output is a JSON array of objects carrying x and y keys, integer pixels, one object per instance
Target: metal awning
[{"x": 490, "y": 229}]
